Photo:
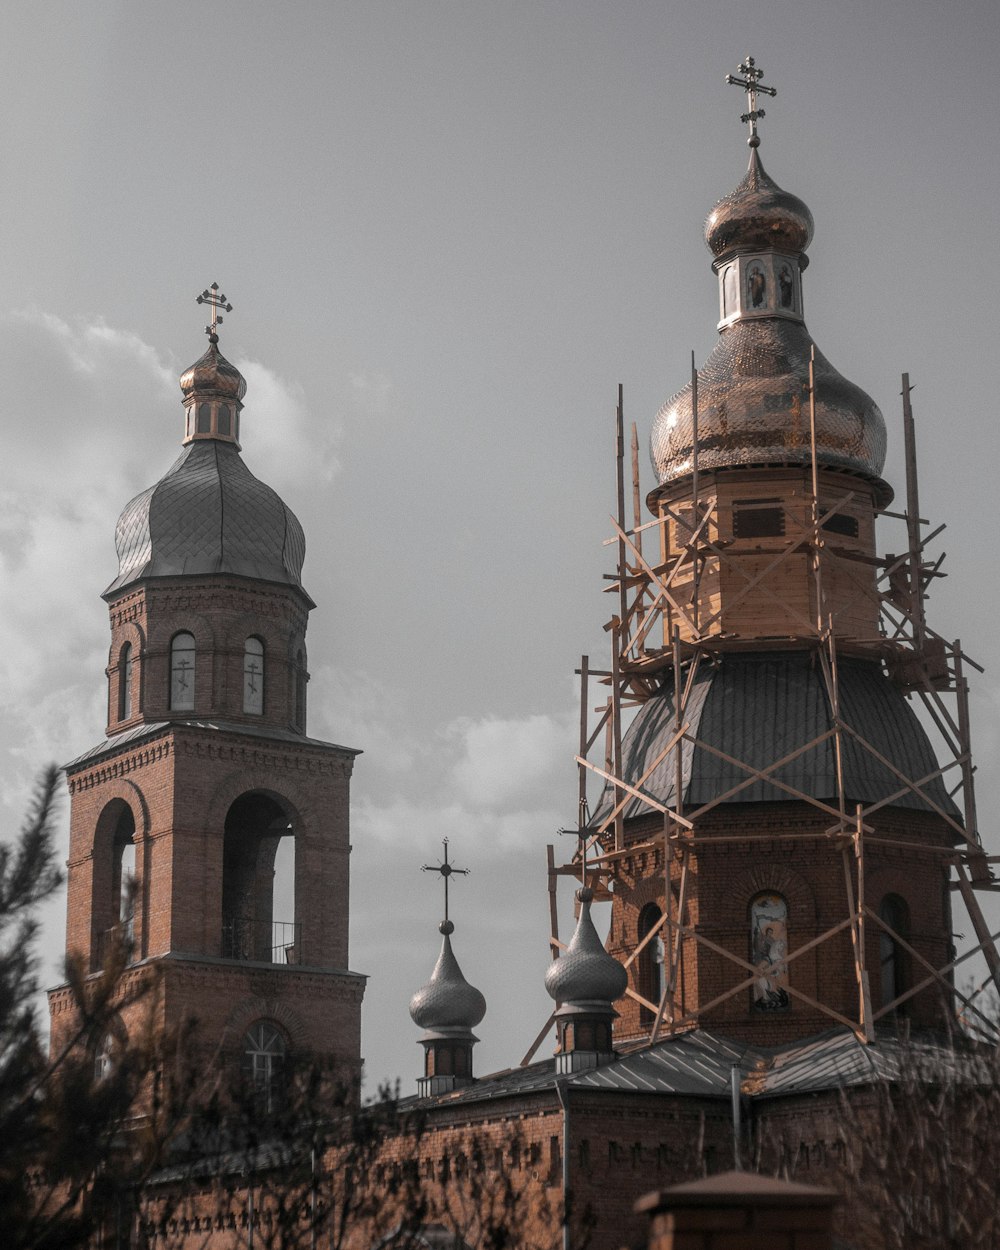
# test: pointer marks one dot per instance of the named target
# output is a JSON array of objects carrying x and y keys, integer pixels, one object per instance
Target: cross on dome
[
  {"x": 446, "y": 871},
  {"x": 751, "y": 84},
  {"x": 212, "y": 297}
]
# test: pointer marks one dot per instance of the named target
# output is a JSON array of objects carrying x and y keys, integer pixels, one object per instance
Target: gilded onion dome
[
  {"x": 447, "y": 1001},
  {"x": 208, "y": 514},
  {"x": 585, "y": 974},
  {"x": 753, "y": 391}
]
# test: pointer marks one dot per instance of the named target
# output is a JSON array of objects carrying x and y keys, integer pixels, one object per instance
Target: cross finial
[
  {"x": 212, "y": 296},
  {"x": 446, "y": 871},
  {"x": 751, "y": 84}
]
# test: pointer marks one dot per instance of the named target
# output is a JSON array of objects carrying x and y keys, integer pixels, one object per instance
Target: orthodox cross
[
  {"x": 211, "y": 296},
  {"x": 751, "y": 84},
  {"x": 446, "y": 870}
]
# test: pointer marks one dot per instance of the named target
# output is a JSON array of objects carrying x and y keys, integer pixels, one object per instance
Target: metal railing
[{"x": 264, "y": 941}]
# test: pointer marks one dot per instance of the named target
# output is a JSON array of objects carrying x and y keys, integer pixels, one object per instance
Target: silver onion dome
[
  {"x": 209, "y": 514},
  {"x": 585, "y": 972},
  {"x": 447, "y": 1001}
]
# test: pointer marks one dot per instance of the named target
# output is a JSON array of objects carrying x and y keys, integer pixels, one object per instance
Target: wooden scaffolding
[{"x": 648, "y": 645}]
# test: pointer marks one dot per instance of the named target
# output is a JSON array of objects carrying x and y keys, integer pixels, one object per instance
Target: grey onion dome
[
  {"x": 209, "y": 514},
  {"x": 585, "y": 972},
  {"x": 212, "y": 374},
  {"x": 447, "y": 1001},
  {"x": 758, "y": 214}
]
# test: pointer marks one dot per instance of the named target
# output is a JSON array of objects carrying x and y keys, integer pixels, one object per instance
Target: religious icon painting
[
  {"x": 786, "y": 285},
  {"x": 769, "y": 951},
  {"x": 756, "y": 285}
]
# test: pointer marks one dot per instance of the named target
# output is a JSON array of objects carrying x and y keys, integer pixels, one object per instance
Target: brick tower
[
  {"x": 207, "y": 767},
  {"x": 777, "y": 833}
]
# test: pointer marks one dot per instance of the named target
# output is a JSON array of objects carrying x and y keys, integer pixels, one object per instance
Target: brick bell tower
[
  {"x": 779, "y": 835},
  {"x": 207, "y": 768}
]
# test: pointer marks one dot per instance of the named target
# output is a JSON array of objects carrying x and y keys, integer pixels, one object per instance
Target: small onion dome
[
  {"x": 585, "y": 972},
  {"x": 447, "y": 1001},
  {"x": 213, "y": 375},
  {"x": 758, "y": 214}
]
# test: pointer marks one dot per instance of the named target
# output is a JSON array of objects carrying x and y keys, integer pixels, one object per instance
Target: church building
[
  {"x": 778, "y": 836},
  {"x": 207, "y": 767}
]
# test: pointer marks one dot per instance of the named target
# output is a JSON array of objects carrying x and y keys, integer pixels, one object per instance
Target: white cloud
[
  {"x": 507, "y": 763},
  {"x": 282, "y": 434}
]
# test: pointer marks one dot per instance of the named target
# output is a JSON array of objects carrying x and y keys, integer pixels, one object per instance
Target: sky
[{"x": 448, "y": 232}]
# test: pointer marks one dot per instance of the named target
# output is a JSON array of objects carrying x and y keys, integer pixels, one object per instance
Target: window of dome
[
  {"x": 893, "y": 912},
  {"x": 204, "y": 419},
  {"x": 650, "y": 961},
  {"x": 253, "y": 676},
  {"x": 182, "y": 656},
  {"x": 225, "y": 419}
]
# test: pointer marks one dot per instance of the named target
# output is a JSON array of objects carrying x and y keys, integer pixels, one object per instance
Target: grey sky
[{"x": 449, "y": 231}]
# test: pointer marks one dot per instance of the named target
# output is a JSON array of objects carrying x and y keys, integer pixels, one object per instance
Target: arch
[
  {"x": 254, "y": 675},
  {"x": 254, "y": 826},
  {"x": 894, "y": 969},
  {"x": 264, "y": 1064},
  {"x": 769, "y": 950},
  {"x": 649, "y": 970},
  {"x": 115, "y": 894},
  {"x": 182, "y": 671},
  {"x": 126, "y": 693}
]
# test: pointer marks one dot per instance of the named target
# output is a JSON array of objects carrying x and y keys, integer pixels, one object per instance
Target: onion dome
[
  {"x": 585, "y": 973},
  {"x": 447, "y": 1001},
  {"x": 208, "y": 514},
  {"x": 758, "y": 214},
  {"x": 212, "y": 375},
  {"x": 753, "y": 391}
]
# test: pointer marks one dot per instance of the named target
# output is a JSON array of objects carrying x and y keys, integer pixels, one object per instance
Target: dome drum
[{"x": 759, "y": 284}]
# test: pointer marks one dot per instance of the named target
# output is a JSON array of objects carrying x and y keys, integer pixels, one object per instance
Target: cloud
[
  {"x": 289, "y": 441},
  {"x": 507, "y": 764}
]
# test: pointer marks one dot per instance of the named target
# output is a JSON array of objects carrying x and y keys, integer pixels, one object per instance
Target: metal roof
[
  {"x": 761, "y": 708},
  {"x": 208, "y": 514},
  {"x": 153, "y": 729},
  {"x": 699, "y": 1064}
]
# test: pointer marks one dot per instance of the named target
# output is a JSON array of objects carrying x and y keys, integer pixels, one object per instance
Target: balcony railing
[
  {"x": 264, "y": 941},
  {"x": 123, "y": 933}
]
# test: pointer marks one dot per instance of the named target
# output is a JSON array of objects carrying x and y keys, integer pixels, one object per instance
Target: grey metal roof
[
  {"x": 153, "y": 729},
  {"x": 699, "y": 1064},
  {"x": 760, "y": 708},
  {"x": 208, "y": 514}
]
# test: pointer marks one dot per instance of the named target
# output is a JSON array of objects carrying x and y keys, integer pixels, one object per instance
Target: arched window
[
  {"x": 125, "y": 682},
  {"x": 894, "y": 912},
  {"x": 182, "y": 673},
  {"x": 300, "y": 689},
  {"x": 253, "y": 676},
  {"x": 204, "y": 419},
  {"x": 769, "y": 951},
  {"x": 225, "y": 419},
  {"x": 650, "y": 969},
  {"x": 264, "y": 1056}
]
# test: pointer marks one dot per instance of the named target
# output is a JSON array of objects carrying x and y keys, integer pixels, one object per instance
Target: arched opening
[
  {"x": 182, "y": 656},
  {"x": 258, "y": 839},
  {"x": 893, "y": 963},
  {"x": 265, "y": 1054},
  {"x": 114, "y": 880},
  {"x": 650, "y": 961},
  {"x": 769, "y": 951},
  {"x": 253, "y": 676},
  {"x": 125, "y": 669}
]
